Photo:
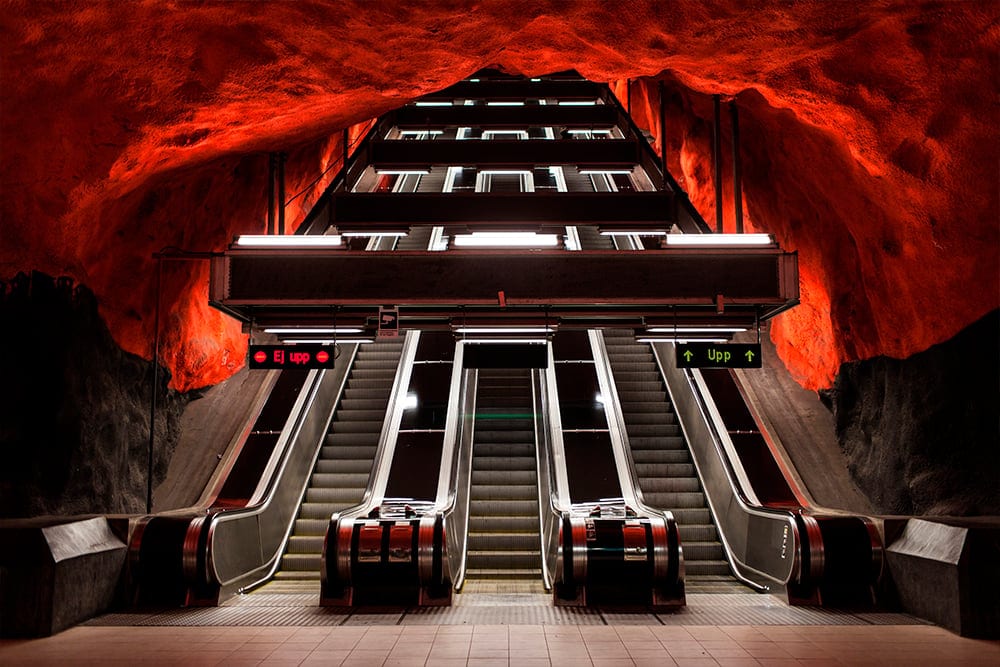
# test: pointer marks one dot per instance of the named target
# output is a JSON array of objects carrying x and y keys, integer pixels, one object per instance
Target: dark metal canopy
[{"x": 588, "y": 289}]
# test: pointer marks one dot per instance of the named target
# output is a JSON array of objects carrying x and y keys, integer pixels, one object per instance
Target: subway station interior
[{"x": 542, "y": 333}]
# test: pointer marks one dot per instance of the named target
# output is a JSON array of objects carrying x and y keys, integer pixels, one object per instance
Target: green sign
[{"x": 718, "y": 355}]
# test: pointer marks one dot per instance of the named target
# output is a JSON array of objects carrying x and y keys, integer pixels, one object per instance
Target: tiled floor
[{"x": 513, "y": 645}]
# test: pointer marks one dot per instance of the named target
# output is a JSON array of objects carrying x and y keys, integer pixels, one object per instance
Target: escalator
[
  {"x": 663, "y": 465},
  {"x": 344, "y": 463},
  {"x": 503, "y": 523}
]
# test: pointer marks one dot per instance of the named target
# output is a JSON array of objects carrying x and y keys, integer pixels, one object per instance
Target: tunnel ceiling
[{"x": 869, "y": 141}]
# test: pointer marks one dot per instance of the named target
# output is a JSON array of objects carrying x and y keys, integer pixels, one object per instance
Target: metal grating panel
[{"x": 284, "y": 607}]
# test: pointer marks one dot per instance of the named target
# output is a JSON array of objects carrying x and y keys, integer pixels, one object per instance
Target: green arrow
[
  {"x": 687, "y": 355},
  {"x": 749, "y": 355}
]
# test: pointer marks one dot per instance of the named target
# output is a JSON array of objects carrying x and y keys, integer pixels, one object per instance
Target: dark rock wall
[
  {"x": 74, "y": 407},
  {"x": 921, "y": 435}
]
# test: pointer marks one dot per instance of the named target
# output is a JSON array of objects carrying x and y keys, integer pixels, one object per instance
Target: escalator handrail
[
  {"x": 291, "y": 446},
  {"x": 549, "y": 512},
  {"x": 741, "y": 500}
]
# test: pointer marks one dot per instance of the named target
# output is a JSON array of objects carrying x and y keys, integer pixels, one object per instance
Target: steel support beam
[{"x": 505, "y": 153}]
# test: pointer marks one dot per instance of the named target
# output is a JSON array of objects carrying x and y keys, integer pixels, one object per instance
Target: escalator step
[
  {"x": 675, "y": 500},
  {"x": 641, "y": 430},
  {"x": 648, "y": 417},
  {"x": 501, "y": 463},
  {"x": 500, "y": 541},
  {"x": 508, "y": 524},
  {"x": 715, "y": 567},
  {"x": 698, "y": 516},
  {"x": 339, "y": 480},
  {"x": 298, "y": 544},
  {"x": 658, "y": 485},
  {"x": 503, "y": 492},
  {"x": 498, "y": 507},
  {"x": 310, "y": 527},
  {"x": 324, "y": 510},
  {"x": 514, "y": 448},
  {"x": 506, "y": 559},
  {"x": 504, "y": 574},
  {"x": 343, "y": 466},
  {"x": 652, "y": 470},
  {"x": 300, "y": 562},
  {"x": 335, "y": 495},
  {"x": 349, "y": 446},
  {"x": 703, "y": 551},
  {"x": 513, "y": 477},
  {"x": 351, "y": 404},
  {"x": 697, "y": 533},
  {"x": 366, "y": 416}
]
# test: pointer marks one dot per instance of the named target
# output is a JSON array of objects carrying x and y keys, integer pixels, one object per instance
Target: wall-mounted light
[
  {"x": 433, "y": 104},
  {"x": 605, "y": 172},
  {"x": 577, "y": 103},
  {"x": 402, "y": 172},
  {"x": 505, "y": 104},
  {"x": 410, "y": 402},
  {"x": 287, "y": 241},
  {"x": 505, "y": 240},
  {"x": 671, "y": 339},
  {"x": 719, "y": 239}
]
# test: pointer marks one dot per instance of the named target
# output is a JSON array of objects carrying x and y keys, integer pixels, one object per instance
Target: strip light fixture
[
  {"x": 719, "y": 239},
  {"x": 669, "y": 339},
  {"x": 287, "y": 241},
  {"x": 433, "y": 104},
  {"x": 350, "y": 340},
  {"x": 686, "y": 330},
  {"x": 314, "y": 330},
  {"x": 503, "y": 330},
  {"x": 505, "y": 240},
  {"x": 607, "y": 172},
  {"x": 402, "y": 172}
]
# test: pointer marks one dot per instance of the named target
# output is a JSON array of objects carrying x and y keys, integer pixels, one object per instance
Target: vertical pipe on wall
[
  {"x": 347, "y": 153},
  {"x": 737, "y": 170},
  {"x": 270, "y": 193},
  {"x": 281, "y": 193},
  {"x": 717, "y": 159},
  {"x": 663, "y": 132},
  {"x": 628, "y": 96}
]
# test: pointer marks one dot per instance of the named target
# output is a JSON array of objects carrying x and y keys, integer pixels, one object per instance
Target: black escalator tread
[
  {"x": 591, "y": 239},
  {"x": 503, "y": 538},
  {"x": 345, "y": 459},
  {"x": 418, "y": 239},
  {"x": 667, "y": 476}
]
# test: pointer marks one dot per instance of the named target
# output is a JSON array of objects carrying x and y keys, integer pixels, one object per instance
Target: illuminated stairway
[
  {"x": 504, "y": 538},
  {"x": 345, "y": 461}
]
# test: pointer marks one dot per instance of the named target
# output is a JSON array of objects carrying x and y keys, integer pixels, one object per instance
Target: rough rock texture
[
  {"x": 74, "y": 408},
  {"x": 869, "y": 142},
  {"x": 921, "y": 435}
]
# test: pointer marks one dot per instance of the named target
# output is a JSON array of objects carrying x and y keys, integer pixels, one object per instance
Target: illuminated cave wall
[{"x": 869, "y": 143}]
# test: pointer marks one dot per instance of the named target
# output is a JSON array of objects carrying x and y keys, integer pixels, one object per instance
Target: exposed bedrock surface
[
  {"x": 74, "y": 408},
  {"x": 921, "y": 434}
]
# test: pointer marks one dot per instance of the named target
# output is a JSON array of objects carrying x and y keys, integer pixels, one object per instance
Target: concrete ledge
[
  {"x": 946, "y": 571},
  {"x": 56, "y": 573}
]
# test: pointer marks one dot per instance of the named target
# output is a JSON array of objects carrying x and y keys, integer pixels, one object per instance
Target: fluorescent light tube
[
  {"x": 328, "y": 341},
  {"x": 287, "y": 241},
  {"x": 505, "y": 104},
  {"x": 402, "y": 172},
  {"x": 500, "y": 330},
  {"x": 695, "y": 329},
  {"x": 433, "y": 104},
  {"x": 505, "y": 239},
  {"x": 312, "y": 330},
  {"x": 577, "y": 103},
  {"x": 668, "y": 339},
  {"x": 719, "y": 239},
  {"x": 608, "y": 172}
]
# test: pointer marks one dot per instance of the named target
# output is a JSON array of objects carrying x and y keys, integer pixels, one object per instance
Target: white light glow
[
  {"x": 709, "y": 330},
  {"x": 535, "y": 80},
  {"x": 505, "y": 104},
  {"x": 415, "y": 133},
  {"x": 577, "y": 103},
  {"x": 633, "y": 232},
  {"x": 328, "y": 341},
  {"x": 410, "y": 402},
  {"x": 667, "y": 339},
  {"x": 505, "y": 239},
  {"x": 433, "y": 104},
  {"x": 591, "y": 132},
  {"x": 599, "y": 399},
  {"x": 290, "y": 241},
  {"x": 518, "y": 341},
  {"x": 501, "y": 330},
  {"x": 312, "y": 330},
  {"x": 606, "y": 172},
  {"x": 719, "y": 239},
  {"x": 402, "y": 172},
  {"x": 376, "y": 234}
]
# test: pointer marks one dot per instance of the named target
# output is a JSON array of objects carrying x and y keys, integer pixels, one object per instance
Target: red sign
[{"x": 290, "y": 356}]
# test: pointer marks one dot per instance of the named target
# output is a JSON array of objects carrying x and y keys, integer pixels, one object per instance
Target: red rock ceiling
[{"x": 869, "y": 140}]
